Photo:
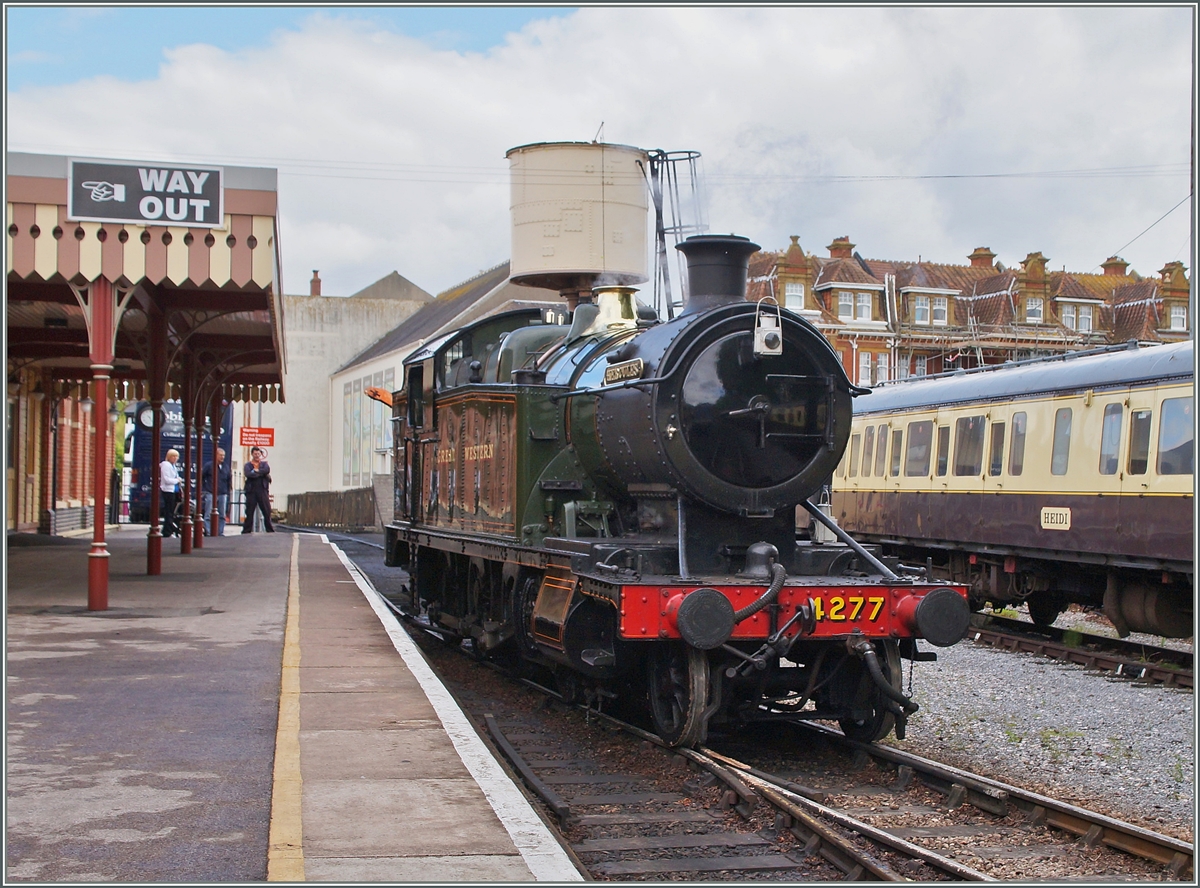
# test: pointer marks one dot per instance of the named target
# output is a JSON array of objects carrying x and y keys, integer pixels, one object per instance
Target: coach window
[
  {"x": 943, "y": 450},
  {"x": 1110, "y": 439},
  {"x": 1175, "y": 456},
  {"x": 854, "y": 442},
  {"x": 920, "y": 446},
  {"x": 1061, "y": 452},
  {"x": 881, "y": 451},
  {"x": 968, "y": 445},
  {"x": 897, "y": 449},
  {"x": 996, "y": 457},
  {"x": 868, "y": 446},
  {"x": 1139, "y": 441},
  {"x": 1016, "y": 447}
]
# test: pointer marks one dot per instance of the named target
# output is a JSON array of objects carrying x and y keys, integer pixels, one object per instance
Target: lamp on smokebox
[{"x": 768, "y": 330}]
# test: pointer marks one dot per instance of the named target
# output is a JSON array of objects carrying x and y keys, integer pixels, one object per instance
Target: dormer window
[
  {"x": 793, "y": 296},
  {"x": 1085, "y": 319},
  {"x": 845, "y": 305},
  {"x": 864, "y": 307},
  {"x": 1179, "y": 317},
  {"x": 941, "y": 310},
  {"x": 921, "y": 310},
  {"x": 1033, "y": 310},
  {"x": 1068, "y": 316}
]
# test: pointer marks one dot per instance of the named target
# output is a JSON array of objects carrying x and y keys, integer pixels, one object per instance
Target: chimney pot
[
  {"x": 1114, "y": 265},
  {"x": 982, "y": 258},
  {"x": 314, "y": 286},
  {"x": 841, "y": 248}
]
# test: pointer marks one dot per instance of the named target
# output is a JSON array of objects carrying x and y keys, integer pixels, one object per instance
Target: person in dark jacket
[
  {"x": 224, "y": 483},
  {"x": 258, "y": 490}
]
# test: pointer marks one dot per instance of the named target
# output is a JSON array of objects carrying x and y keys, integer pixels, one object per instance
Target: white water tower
[{"x": 579, "y": 216}]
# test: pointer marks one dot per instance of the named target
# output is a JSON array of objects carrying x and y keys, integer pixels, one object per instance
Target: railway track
[
  {"x": 811, "y": 806},
  {"x": 788, "y": 803},
  {"x": 1117, "y": 657}
]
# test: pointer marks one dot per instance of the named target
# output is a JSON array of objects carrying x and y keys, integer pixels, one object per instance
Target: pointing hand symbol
[{"x": 102, "y": 191}]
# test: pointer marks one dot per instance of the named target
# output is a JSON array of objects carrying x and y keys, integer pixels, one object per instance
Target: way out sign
[
  {"x": 257, "y": 437},
  {"x": 145, "y": 193}
]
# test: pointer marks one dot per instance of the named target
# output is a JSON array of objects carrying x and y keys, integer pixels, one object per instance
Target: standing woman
[
  {"x": 168, "y": 486},
  {"x": 258, "y": 489}
]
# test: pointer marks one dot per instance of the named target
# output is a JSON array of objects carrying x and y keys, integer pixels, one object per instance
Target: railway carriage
[
  {"x": 1051, "y": 481},
  {"x": 612, "y": 497}
]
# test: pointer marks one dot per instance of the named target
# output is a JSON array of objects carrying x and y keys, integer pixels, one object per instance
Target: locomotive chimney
[{"x": 717, "y": 268}]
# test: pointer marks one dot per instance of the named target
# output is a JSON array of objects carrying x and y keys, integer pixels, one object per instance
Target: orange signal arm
[{"x": 378, "y": 394}]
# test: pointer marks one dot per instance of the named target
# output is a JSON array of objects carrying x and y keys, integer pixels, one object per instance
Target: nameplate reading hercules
[{"x": 624, "y": 371}]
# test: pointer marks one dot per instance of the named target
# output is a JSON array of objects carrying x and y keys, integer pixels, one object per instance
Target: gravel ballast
[{"x": 1103, "y": 743}]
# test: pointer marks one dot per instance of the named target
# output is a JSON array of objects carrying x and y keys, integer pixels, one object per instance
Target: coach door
[{"x": 1137, "y": 513}]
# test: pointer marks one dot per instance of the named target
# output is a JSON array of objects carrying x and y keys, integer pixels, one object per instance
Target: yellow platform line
[{"x": 285, "y": 848}]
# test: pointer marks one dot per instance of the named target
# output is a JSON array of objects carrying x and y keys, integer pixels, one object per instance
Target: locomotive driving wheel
[
  {"x": 869, "y": 698},
  {"x": 679, "y": 689}
]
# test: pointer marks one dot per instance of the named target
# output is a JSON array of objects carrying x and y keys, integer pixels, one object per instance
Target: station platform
[{"x": 253, "y": 713}]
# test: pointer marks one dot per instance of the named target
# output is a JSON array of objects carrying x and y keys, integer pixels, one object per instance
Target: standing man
[
  {"x": 168, "y": 486},
  {"x": 258, "y": 490},
  {"x": 224, "y": 483}
]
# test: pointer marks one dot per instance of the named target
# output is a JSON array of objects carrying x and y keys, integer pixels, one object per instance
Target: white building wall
[
  {"x": 322, "y": 333},
  {"x": 361, "y": 442}
]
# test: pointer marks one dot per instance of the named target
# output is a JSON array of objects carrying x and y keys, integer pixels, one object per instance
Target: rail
[
  {"x": 1092, "y": 827},
  {"x": 1119, "y": 657}
]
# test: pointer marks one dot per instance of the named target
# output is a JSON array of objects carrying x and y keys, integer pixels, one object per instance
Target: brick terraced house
[{"x": 893, "y": 319}]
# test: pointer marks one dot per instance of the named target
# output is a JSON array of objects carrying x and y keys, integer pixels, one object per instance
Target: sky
[{"x": 915, "y": 131}]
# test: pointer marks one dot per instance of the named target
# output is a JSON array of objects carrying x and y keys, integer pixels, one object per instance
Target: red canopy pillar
[
  {"x": 101, "y": 307},
  {"x": 217, "y": 412},
  {"x": 156, "y": 377},
  {"x": 189, "y": 430},
  {"x": 198, "y": 524}
]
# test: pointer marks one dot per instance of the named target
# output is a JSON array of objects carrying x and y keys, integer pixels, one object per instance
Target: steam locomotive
[{"x": 614, "y": 499}]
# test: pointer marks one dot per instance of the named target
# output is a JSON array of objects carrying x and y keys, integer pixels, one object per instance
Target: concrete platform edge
[{"x": 541, "y": 851}]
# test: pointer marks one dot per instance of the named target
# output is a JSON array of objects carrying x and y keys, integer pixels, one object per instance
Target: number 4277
[{"x": 838, "y": 609}]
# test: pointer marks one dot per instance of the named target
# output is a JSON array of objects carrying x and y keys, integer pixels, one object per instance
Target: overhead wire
[
  {"x": 1118, "y": 250},
  {"x": 499, "y": 174}
]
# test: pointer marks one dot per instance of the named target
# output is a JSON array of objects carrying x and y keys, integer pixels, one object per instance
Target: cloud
[
  {"x": 31, "y": 57},
  {"x": 391, "y": 150}
]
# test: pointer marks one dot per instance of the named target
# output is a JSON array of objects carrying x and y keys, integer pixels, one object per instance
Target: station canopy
[{"x": 189, "y": 255}]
